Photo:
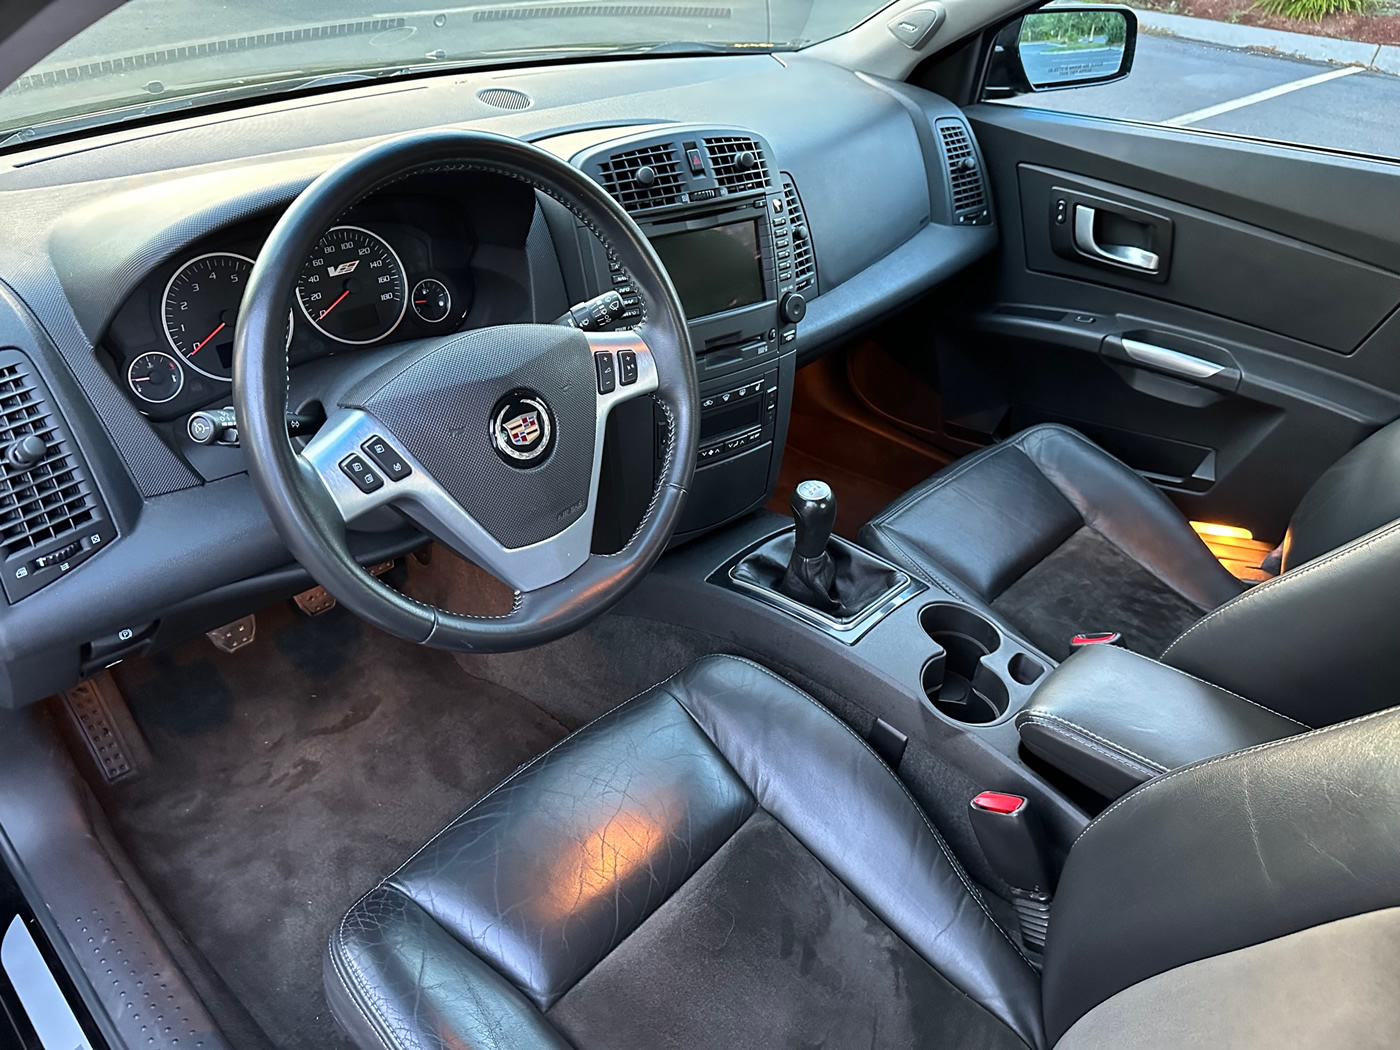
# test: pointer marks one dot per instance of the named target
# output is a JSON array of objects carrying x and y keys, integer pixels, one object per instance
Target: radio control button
[
  {"x": 607, "y": 372},
  {"x": 390, "y": 462},
  {"x": 627, "y": 367},
  {"x": 358, "y": 470}
]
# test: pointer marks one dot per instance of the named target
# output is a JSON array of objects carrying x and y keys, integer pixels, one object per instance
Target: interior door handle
[
  {"x": 1174, "y": 361},
  {"x": 1117, "y": 254}
]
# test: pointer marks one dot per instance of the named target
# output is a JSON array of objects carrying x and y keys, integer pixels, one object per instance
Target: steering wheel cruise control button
[
  {"x": 365, "y": 477},
  {"x": 390, "y": 462},
  {"x": 607, "y": 372},
  {"x": 627, "y": 367}
]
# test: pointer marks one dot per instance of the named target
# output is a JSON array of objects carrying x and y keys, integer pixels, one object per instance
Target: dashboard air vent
[
  {"x": 644, "y": 178},
  {"x": 804, "y": 261},
  {"x": 738, "y": 163},
  {"x": 52, "y": 498},
  {"x": 964, "y": 173},
  {"x": 505, "y": 98}
]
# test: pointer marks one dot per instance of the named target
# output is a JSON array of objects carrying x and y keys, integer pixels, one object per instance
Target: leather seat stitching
[
  {"x": 932, "y": 485},
  {"x": 1292, "y": 574},
  {"x": 360, "y": 998},
  {"x": 1044, "y": 718},
  {"x": 937, "y": 838},
  {"x": 1159, "y": 781},
  {"x": 1221, "y": 688}
]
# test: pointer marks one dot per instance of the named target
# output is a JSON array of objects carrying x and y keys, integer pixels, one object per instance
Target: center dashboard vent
[
  {"x": 50, "y": 515},
  {"x": 804, "y": 262},
  {"x": 738, "y": 163},
  {"x": 964, "y": 174},
  {"x": 649, "y": 177}
]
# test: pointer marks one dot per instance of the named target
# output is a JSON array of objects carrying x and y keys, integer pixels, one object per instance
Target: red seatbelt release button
[
  {"x": 1096, "y": 638},
  {"x": 998, "y": 802}
]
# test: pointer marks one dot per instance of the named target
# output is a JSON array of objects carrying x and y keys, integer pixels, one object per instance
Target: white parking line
[{"x": 1196, "y": 116}]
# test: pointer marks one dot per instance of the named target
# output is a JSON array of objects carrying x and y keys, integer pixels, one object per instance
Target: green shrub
[{"x": 1315, "y": 10}]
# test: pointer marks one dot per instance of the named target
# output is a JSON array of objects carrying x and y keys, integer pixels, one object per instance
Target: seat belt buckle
[
  {"x": 1014, "y": 844},
  {"x": 1095, "y": 638}
]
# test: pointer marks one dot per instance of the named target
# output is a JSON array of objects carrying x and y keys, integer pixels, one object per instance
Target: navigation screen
[{"x": 716, "y": 269}]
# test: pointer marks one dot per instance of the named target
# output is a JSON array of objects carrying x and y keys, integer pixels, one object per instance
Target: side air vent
[
  {"x": 804, "y": 261},
  {"x": 644, "y": 178},
  {"x": 738, "y": 163},
  {"x": 964, "y": 174},
  {"x": 50, "y": 515}
]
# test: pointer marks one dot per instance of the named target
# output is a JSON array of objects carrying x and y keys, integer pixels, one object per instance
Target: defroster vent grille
[
  {"x": 644, "y": 178},
  {"x": 804, "y": 262},
  {"x": 738, "y": 163},
  {"x": 964, "y": 173}
]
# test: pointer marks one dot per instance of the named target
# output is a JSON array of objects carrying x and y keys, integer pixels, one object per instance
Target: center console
[{"x": 730, "y": 229}]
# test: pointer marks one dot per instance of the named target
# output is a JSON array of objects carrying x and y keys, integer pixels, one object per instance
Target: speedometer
[{"x": 352, "y": 288}]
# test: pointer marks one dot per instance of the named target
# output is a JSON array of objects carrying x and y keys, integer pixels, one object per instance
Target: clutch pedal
[{"x": 318, "y": 600}]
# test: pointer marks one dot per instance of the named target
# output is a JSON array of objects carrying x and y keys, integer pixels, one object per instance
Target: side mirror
[{"x": 1063, "y": 47}]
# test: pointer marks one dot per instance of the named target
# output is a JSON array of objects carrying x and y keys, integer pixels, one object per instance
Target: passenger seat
[{"x": 1056, "y": 537}]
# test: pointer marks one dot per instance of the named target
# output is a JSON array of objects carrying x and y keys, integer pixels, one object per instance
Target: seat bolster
[
  {"x": 396, "y": 980},
  {"x": 1317, "y": 643},
  {"x": 1357, "y": 494},
  {"x": 825, "y": 785},
  {"x": 1131, "y": 512},
  {"x": 1224, "y": 854}
]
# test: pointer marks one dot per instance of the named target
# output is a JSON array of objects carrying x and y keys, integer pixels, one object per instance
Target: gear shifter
[{"x": 811, "y": 572}]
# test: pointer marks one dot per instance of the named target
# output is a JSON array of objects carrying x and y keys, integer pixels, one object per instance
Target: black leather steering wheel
[{"x": 499, "y": 430}]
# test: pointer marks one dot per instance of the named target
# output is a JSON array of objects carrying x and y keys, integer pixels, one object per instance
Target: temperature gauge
[
  {"x": 431, "y": 300},
  {"x": 156, "y": 377}
]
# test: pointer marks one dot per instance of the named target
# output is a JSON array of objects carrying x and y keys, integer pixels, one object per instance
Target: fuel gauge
[
  {"x": 156, "y": 377},
  {"x": 431, "y": 300}
]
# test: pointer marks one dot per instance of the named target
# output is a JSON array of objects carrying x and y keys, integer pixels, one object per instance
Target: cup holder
[{"x": 958, "y": 683}]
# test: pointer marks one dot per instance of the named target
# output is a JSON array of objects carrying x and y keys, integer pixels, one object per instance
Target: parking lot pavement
[{"x": 1253, "y": 93}]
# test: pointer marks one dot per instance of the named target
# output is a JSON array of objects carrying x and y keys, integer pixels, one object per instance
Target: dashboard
[{"x": 794, "y": 203}]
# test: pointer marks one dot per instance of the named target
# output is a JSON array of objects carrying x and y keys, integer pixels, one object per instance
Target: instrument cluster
[{"x": 397, "y": 267}]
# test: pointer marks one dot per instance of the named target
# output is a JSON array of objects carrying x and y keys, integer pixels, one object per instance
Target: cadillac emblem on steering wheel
[{"x": 521, "y": 428}]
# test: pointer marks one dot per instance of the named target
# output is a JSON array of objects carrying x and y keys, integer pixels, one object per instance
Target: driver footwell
[{"x": 288, "y": 777}]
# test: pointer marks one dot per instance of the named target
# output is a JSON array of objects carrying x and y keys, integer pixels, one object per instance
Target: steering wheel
[{"x": 490, "y": 440}]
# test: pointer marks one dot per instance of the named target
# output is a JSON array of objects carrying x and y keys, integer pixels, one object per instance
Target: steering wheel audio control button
[
  {"x": 627, "y": 366},
  {"x": 390, "y": 462},
  {"x": 607, "y": 372},
  {"x": 358, "y": 470}
]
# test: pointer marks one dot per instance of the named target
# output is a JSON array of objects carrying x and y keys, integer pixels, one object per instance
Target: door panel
[{"x": 1263, "y": 344}]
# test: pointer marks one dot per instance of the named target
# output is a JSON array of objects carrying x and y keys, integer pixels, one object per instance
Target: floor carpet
[{"x": 292, "y": 775}]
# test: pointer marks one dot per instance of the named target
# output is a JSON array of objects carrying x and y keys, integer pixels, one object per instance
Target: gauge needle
[
  {"x": 322, "y": 315},
  {"x": 205, "y": 341}
]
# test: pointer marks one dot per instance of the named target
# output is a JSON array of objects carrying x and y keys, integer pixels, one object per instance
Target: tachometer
[
  {"x": 201, "y": 311},
  {"x": 352, "y": 288}
]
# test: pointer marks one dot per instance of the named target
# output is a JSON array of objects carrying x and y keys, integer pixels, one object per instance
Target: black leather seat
[
  {"x": 1056, "y": 537},
  {"x": 720, "y": 863}
]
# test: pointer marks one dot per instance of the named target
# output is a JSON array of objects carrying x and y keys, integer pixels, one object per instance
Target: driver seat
[{"x": 721, "y": 863}]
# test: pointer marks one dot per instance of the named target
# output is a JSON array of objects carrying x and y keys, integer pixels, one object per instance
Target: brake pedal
[
  {"x": 234, "y": 636},
  {"x": 318, "y": 600},
  {"x": 98, "y": 712}
]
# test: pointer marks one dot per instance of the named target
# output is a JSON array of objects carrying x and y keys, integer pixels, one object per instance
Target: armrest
[{"x": 1112, "y": 719}]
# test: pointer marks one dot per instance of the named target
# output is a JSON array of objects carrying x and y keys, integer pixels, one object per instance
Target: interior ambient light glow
[{"x": 1209, "y": 528}]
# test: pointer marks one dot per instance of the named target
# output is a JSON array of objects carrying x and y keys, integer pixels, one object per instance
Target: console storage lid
[{"x": 1112, "y": 719}]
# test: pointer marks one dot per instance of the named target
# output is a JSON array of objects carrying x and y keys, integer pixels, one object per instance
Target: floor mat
[{"x": 289, "y": 777}]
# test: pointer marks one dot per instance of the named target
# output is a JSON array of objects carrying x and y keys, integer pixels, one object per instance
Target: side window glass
[{"x": 1320, "y": 73}]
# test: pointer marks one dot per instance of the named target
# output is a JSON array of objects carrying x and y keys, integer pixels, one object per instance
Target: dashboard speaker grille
[
  {"x": 644, "y": 178},
  {"x": 52, "y": 499},
  {"x": 738, "y": 163},
  {"x": 804, "y": 262},
  {"x": 505, "y": 98},
  {"x": 964, "y": 173}
]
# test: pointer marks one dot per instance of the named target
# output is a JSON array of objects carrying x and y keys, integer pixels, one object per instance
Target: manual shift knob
[{"x": 814, "y": 511}]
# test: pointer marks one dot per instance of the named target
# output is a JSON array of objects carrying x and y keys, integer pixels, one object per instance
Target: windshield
[{"x": 153, "y": 56}]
